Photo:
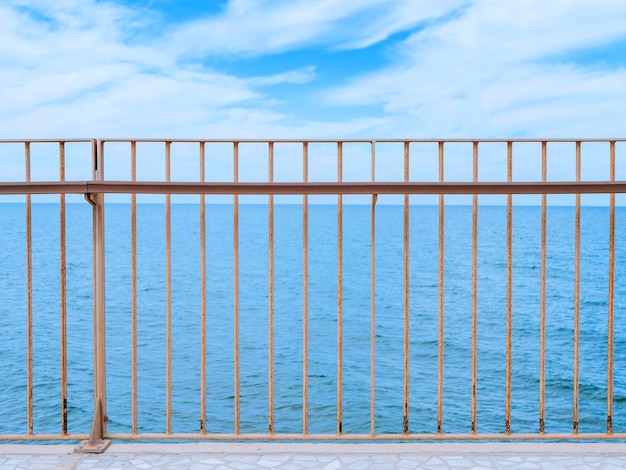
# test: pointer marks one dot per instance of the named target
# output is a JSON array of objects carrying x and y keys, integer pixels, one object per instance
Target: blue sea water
[{"x": 322, "y": 374}]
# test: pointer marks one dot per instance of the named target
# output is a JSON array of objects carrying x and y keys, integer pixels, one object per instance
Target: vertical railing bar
[
  {"x": 474, "y": 286},
  {"x": 339, "y": 292},
  {"x": 373, "y": 298},
  {"x": 305, "y": 292},
  {"x": 509, "y": 288},
  {"x": 133, "y": 283},
  {"x": 611, "y": 297},
  {"x": 168, "y": 294},
  {"x": 203, "y": 281},
  {"x": 405, "y": 394},
  {"x": 576, "y": 295},
  {"x": 63, "y": 291},
  {"x": 440, "y": 341},
  {"x": 542, "y": 295},
  {"x": 236, "y": 289},
  {"x": 270, "y": 293},
  {"x": 29, "y": 295}
]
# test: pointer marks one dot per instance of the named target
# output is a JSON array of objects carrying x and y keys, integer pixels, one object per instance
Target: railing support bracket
[
  {"x": 89, "y": 200},
  {"x": 95, "y": 444}
]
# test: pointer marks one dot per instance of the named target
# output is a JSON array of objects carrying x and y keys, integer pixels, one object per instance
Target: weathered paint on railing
[{"x": 95, "y": 189}]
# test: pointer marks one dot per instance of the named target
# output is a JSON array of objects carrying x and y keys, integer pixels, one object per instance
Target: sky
[
  {"x": 306, "y": 69},
  {"x": 312, "y": 69}
]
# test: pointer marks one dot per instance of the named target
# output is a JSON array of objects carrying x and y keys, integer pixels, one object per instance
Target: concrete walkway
[{"x": 205, "y": 456}]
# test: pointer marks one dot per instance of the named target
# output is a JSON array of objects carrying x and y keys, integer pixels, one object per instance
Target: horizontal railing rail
[
  {"x": 364, "y": 188},
  {"x": 364, "y": 141},
  {"x": 124, "y": 157}
]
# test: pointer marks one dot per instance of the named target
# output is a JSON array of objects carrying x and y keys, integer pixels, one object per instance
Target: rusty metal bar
[
  {"x": 168, "y": 296},
  {"x": 56, "y": 141},
  {"x": 63, "y": 291},
  {"x": 542, "y": 294},
  {"x": 133, "y": 285},
  {"x": 576, "y": 296},
  {"x": 373, "y": 297},
  {"x": 332, "y": 141},
  {"x": 43, "y": 437},
  {"x": 474, "y": 286},
  {"x": 339, "y": 292},
  {"x": 237, "y": 373},
  {"x": 29, "y": 295},
  {"x": 203, "y": 281},
  {"x": 96, "y": 443},
  {"x": 406, "y": 336},
  {"x": 47, "y": 187},
  {"x": 99, "y": 315},
  {"x": 270, "y": 293},
  {"x": 305, "y": 293},
  {"x": 611, "y": 298},
  {"x": 509, "y": 288},
  {"x": 368, "y": 437},
  {"x": 582, "y": 437},
  {"x": 318, "y": 188},
  {"x": 552, "y": 187},
  {"x": 440, "y": 339}
]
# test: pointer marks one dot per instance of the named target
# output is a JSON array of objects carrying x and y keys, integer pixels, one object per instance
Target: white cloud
[
  {"x": 487, "y": 68},
  {"x": 253, "y": 27},
  {"x": 498, "y": 69},
  {"x": 86, "y": 68},
  {"x": 302, "y": 75}
]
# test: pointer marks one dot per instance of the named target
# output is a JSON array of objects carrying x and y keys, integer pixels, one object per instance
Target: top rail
[
  {"x": 299, "y": 141},
  {"x": 45, "y": 141},
  {"x": 323, "y": 140}
]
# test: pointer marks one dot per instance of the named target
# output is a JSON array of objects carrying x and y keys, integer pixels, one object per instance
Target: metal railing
[{"x": 210, "y": 157}]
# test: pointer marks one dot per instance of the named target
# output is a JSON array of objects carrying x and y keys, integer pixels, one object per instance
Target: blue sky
[
  {"x": 321, "y": 69},
  {"x": 305, "y": 69}
]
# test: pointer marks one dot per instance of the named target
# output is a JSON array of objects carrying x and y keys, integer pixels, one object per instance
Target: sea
[{"x": 323, "y": 322}]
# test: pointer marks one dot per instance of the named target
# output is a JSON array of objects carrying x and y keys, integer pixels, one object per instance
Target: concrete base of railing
[
  {"x": 86, "y": 447},
  {"x": 95, "y": 444}
]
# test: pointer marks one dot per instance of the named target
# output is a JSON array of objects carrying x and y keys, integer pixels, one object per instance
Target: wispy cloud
[
  {"x": 255, "y": 27},
  {"x": 303, "y": 75},
  {"x": 84, "y": 68},
  {"x": 449, "y": 68},
  {"x": 502, "y": 68}
]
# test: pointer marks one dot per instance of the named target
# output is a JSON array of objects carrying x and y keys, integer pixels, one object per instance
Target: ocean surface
[{"x": 322, "y": 374}]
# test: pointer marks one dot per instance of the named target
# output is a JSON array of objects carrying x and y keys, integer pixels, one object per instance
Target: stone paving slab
[{"x": 248, "y": 456}]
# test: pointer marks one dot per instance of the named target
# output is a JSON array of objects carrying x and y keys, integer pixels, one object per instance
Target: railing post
[{"x": 96, "y": 443}]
